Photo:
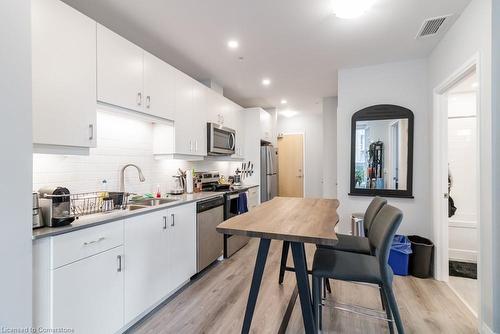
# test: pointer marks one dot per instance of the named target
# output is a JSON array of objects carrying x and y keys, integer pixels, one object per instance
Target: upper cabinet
[
  {"x": 190, "y": 128},
  {"x": 119, "y": 71},
  {"x": 132, "y": 78},
  {"x": 159, "y": 91},
  {"x": 64, "y": 75}
]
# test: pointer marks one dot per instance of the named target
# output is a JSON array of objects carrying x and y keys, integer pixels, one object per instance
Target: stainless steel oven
[{"x": 220, "y": 140}]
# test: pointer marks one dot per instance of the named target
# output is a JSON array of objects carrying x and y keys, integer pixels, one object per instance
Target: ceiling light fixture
[
  {"x": 284, "y": 101},
  {"x": 349, "y": 9},
  {"x": 233, "y": 44},
  {"x": 266, "y": 81}
]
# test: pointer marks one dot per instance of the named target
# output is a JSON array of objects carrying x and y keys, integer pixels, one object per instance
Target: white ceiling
[{"x": 298, "y": 44}]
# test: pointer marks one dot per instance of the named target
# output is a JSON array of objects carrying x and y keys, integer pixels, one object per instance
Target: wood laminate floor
[{"x": 215, "y": 303}]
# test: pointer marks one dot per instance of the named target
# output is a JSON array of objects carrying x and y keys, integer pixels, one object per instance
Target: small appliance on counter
[
  {"x": 37, "y": 213},
  {"x": 56, "y": 206},
  {"x": 179, "y": 183}
]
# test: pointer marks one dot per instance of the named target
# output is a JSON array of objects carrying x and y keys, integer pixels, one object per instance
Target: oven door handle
[{"x": 234, "y": 196}]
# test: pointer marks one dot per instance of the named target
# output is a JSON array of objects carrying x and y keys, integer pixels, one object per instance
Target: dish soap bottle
[{"x": 158, "y": 193}]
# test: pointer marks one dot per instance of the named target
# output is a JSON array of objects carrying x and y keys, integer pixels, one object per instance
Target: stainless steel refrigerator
[{"x": 268, "y": 173}]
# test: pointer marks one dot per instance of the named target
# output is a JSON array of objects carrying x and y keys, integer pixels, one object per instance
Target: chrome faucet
[{"x": 122, "y": 176}]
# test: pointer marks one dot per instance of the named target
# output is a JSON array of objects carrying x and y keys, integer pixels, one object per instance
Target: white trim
[
  {"x": 439, "y": 170},
  {"x": 303, "y": 134},
  {"x": 463, "y": 255}
]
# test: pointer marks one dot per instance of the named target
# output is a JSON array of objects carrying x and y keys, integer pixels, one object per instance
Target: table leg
[
  {"x": 299, "y": 261},
  {"x": 260, "y": 264}
]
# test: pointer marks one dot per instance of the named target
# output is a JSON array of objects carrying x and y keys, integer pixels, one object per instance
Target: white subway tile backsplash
[{"x": 120, "y": 140}]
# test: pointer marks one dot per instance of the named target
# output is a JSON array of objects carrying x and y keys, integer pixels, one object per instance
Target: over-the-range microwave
[{"x": 220, "y": 140}]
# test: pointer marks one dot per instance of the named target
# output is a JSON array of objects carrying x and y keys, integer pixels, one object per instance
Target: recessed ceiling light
[
  {"x": 475, "y": 85},
  {"x": 284, "y": 101},
  {"x": 349, "y": 9},
  {"x": 266, "y": 81},
  {"x": 233, "y": 44}
]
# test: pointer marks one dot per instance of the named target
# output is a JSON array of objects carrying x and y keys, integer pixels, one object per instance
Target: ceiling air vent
[{"x": 432, "y": 26}]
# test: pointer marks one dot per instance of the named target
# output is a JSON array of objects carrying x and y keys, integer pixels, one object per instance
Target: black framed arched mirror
[{"x": 382, "y": 151}]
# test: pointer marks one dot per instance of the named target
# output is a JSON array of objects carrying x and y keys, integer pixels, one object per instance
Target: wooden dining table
[{"x": 297, "y": 221}]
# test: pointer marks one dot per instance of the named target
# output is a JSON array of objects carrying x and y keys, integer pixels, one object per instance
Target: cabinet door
[
  {"x": 158, "y": 87},
  {"x": 146, "y": 262},
  {"x": 198, "y": 123},
  {"x": 183, "y": 114},
  {"x": 64, "y": 75},
  {"x": 182, "y": 244},
  {"x": 119, "y": 70},
  {"x": 88, "y": 294}
]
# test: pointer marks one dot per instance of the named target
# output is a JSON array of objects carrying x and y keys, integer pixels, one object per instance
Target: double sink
[{"x": 150, "y": 202}]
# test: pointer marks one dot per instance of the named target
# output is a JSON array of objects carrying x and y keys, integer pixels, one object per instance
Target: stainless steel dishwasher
[{"x": 209, "y": 242}]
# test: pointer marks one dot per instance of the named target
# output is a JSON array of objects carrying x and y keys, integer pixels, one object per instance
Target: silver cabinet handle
[
  {"x": 139, "y": 98},
  {"x": 86, "y": 243},
  {"x": 173, "y": 220},
  {"x": 164, "y": 222},
  {"x": 91, "y": 131},
  {"x": 119, "y": 258},
  {"x": 148, "y": 101},
  {"x": 196, "y": 145},
  {"x": 190, "y": 145}
]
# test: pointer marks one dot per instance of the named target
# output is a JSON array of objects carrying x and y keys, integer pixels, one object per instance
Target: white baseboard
[{"x": 486, "y": 330}]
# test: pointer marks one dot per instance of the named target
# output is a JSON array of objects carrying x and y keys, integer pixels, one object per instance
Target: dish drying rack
[{"x": 88, "y": 203}]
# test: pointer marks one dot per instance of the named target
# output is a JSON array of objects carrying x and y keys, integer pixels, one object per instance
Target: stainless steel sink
[{"x": 153, "y": 201}]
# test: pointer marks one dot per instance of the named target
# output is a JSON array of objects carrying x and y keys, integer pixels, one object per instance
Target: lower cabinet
[
  {"x": 101, "y": 279},
  {"x": 160, "y": 255},
  {"x": 88, "y": 294}
]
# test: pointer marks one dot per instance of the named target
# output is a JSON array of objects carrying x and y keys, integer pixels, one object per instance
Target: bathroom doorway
[{"x": 456, "y": 184}]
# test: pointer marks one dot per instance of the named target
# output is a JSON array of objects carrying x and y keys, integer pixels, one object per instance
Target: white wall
[
  {"x": 404, "y": 84},
  {"x": 470, "y": 35},
  {"x": 330, "y": 147},
  {"x": 15, "y": 166},
  {"x": 115, "y": 148},
  {"x": 311, "y": 125}
]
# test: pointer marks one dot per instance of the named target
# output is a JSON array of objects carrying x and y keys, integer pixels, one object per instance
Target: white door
[
  {"x": 119, "y": 71},
  {"x": 88, "y": 294},
  {"x": 158, "y": 87},
  {"x": 146, "y": 262},
  {"x": 64, "y": 75},
  {"x": 183, "y": 114},
  {"x": 182, "y": 244}
]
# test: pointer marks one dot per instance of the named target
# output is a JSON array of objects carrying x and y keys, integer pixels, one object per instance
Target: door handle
[
  {"x": 91, "y": 131},
  {"x": 446, "y": 196},
  {"x": 196, "y": 145},
  {"x": 119, "y": 258},
  {"x": 139, "y": 98},
  {"x": 173, "y": 220},
  {"x": 148, "y": 101},
  {"x": 164, "y": 222}
]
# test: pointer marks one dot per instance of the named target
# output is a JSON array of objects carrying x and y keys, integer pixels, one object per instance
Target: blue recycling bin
[{"x": 399, "y": 256}]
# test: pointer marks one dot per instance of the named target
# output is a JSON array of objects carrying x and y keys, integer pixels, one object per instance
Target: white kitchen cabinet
[
  {"x": 63, "y": 75},
  {"x": 146, "y": 262},
  {"x": 182, "y": 244},
  {"x": 253, "y": 198},
  {"x": 159, "y": 93},
  {"x": 119, "y": 70},
  {"x": 190, "y": 132},
  {"x": 160, "y": 255},
  {"x": 88, "y": 294},
  {"x": 266, "y": 125}
]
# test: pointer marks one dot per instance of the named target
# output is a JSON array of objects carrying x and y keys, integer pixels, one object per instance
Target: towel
[{"x": 242, "y": 203}]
